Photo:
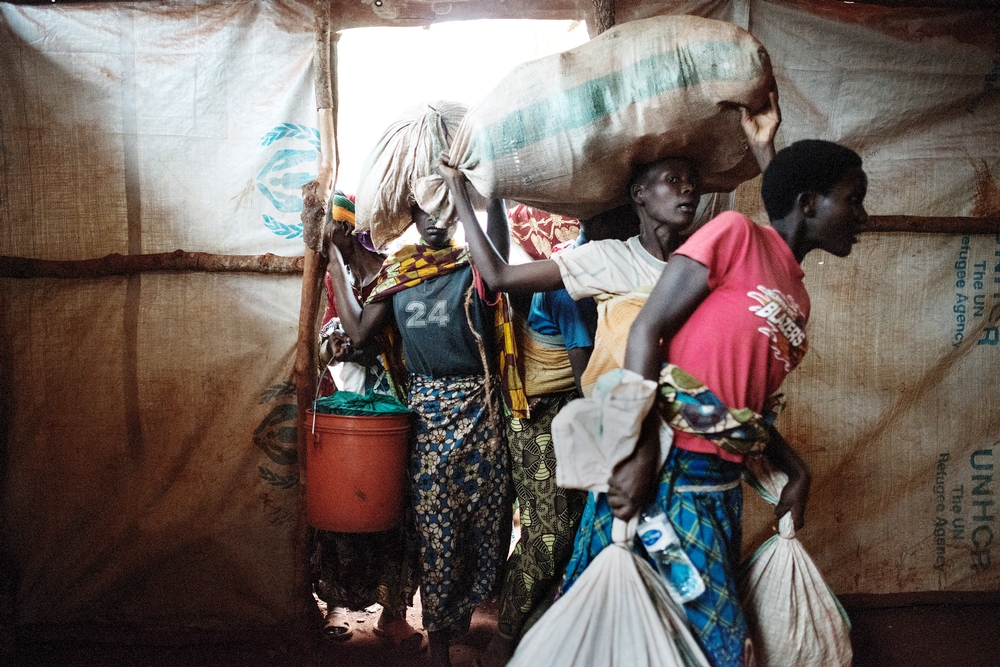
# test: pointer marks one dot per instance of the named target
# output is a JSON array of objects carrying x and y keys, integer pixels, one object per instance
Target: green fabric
[{"x": 350, "y": 403}]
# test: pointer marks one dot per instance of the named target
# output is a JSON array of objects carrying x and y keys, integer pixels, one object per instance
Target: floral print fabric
[{"x": 461, "y": 491}]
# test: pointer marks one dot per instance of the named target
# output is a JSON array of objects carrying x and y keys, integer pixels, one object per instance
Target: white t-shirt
[{"x": 608, "y": 268}]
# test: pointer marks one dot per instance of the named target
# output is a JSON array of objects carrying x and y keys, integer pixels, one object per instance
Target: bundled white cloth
[
  {"x": 592, "y": 435},
  {"x": 795, "y": 619},
  {"x": 406, "y": 152},
  {"x": 619, "y": 611},
  {"x": 348, "y": 376}
]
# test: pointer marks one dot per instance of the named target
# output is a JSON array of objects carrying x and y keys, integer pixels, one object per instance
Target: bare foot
[{"x": 498, "y": 652}]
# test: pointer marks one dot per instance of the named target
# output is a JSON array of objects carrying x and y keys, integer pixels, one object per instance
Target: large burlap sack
[
  {"x": 619, "y": 612},
  {"x": 562, "y": 133},
  {"x": 795, "y": 619},
  {"x": 405, "y": 152}
]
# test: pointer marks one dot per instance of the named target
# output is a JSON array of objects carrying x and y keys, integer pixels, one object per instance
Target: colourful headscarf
[{"x": 341, "y": 208}]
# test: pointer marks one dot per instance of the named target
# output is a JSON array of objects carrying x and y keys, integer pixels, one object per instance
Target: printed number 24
[{"x": 418, "y": 310}]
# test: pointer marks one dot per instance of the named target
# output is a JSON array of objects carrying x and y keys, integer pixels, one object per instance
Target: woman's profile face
[
  {"x": 841, "y": 214},
  {"x": 435, "y": 237}
]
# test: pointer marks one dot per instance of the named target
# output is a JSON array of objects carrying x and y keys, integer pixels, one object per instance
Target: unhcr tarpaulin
[
  {"x": 150, "y": 472},
  {"x": 149, "y": 464},
  {"x": 899, "y": 384}
]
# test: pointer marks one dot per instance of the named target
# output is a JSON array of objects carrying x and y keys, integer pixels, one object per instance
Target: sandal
[
  {"x": 338, "y": 625},
  {"x": 401, "y": 634}
]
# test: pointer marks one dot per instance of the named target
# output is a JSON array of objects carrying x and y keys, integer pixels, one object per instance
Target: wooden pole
[
  {"x": 313, "y": 273},
  {"x": 123, "y": 265},
  {"x": 932, "y": 225},
  {"x": 604, "y": 15}
]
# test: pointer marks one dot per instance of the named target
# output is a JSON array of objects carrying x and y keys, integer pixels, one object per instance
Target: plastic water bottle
[{"x": 664, "y": 547}]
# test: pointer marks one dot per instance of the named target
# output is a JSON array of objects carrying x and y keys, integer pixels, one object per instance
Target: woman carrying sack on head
[{"x": 458, "y": 464}]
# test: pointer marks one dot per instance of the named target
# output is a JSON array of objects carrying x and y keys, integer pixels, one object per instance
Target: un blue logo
[{"x": 292, "y": 165}]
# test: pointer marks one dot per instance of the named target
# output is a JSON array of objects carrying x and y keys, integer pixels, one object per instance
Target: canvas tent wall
[{"x": 149, "y": 463}]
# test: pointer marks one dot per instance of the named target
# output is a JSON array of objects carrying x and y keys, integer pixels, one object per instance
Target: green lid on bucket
[{"x": 350, "y": 403}]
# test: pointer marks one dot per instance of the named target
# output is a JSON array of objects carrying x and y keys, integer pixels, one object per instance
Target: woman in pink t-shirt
[{"x": 730, "y": 309}]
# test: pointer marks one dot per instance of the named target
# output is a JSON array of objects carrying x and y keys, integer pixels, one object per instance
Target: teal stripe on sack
[{"x": 642, "y": 80}]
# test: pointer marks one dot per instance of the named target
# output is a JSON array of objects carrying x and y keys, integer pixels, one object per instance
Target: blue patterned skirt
[
  {"x": 461, "y": 496},
  {"x": 702, "y": 496}
]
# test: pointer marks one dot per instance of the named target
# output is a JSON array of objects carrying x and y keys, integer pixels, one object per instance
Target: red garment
[
  {"x": 326, "y": 384},
  {"x": 538, "y": 232},
  {"x": 331, "y": 301},
  {"x": 749, "y": 333}
]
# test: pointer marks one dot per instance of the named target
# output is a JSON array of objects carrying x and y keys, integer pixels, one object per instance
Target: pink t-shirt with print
[{"x": 749, "y": 333}]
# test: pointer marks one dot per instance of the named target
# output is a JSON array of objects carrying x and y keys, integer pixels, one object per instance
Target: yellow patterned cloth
[
  {"x": 411, "y": 265},
  {"x": 546, "y": 365},
  {"x": 614, "y": 320}
]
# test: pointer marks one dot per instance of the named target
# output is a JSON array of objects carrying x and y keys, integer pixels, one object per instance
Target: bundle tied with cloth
[
  {"x": 405, "y": 153},
  {"x": 619, "y": 612},
  {"x": 794, "y": 617},
  {"x": 562, "y": 133}
]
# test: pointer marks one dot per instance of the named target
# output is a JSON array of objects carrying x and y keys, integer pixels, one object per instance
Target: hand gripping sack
[
  {"x": 795, "y": 619},
  {"x": 562, "y": 133},
  {"x": 406, "y": 151},
  {"x": 619, "y": 612}
]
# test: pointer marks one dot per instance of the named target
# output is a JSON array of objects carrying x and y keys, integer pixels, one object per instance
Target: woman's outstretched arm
[
  {"x": 498, "y": 227},
  {"x": 540, "y": 276}
]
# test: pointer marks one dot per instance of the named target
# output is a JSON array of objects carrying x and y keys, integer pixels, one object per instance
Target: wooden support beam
[
  {"x": 604, "y": 15},
  {"x": 313, "y": 273},
  {"x": 932, "y": 225},
  {"x": 123, "y": 265}
]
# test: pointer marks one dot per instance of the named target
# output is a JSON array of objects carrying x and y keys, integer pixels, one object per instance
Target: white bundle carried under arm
[
  {"x": 592, "y": 435},
  {"x": 619, "y": 611},
  {"x": 795, "y": 619}
]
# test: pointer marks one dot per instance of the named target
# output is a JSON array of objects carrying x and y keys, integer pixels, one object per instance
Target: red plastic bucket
[{"x": 356, "y": 471}]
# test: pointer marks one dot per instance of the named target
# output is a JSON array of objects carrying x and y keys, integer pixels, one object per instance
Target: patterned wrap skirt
[
  {"x": 549, "y": 517},
  {"x": 357, "y": 570},
  {"x": 461, "y": 489},
  {"x": 703, "y": 498}
]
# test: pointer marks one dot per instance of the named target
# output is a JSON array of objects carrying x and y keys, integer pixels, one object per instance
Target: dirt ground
[{"x": 912, "y": 636}]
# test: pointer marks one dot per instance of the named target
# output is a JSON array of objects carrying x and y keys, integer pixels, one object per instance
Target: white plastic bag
[
  {"x": 591, "y": 435},
  {"x": 619, "y": 612},
  {"x": 795, "y": 619}
]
